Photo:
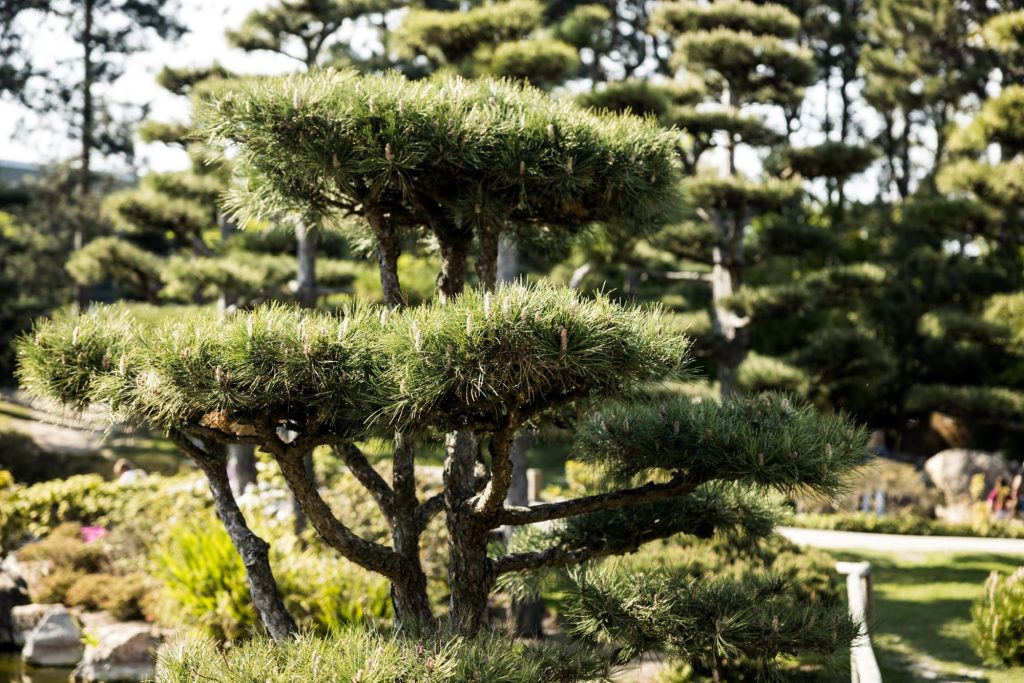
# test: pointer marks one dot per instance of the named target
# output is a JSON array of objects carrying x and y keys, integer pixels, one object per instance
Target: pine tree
[
  {"x": 920, "y": 69},
  {"x": 450, "y": 156},
  {"x": 307, "y": 32},
  {"x": 98, "y": 27},
  {"x": 743, "y": 54}
]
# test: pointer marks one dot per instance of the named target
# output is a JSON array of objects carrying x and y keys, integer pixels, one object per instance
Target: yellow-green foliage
[
  {"x": 997, "y": 620},
  {"x": 90, "y": 500},
  {"x": 205, "y": 583}
]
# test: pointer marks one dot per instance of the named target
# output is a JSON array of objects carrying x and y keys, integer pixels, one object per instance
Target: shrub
[
  {"x": 64, "y": 549},
  {"x": 126, "y": 596},
  {"x": 359, "y": 654},
  {"x": 912, "y": 525},
  {"x": 34, "y": 511},
  {"x": 997, "y": 620},
  {"x": 53, "y": 587},
  {"x": 205, "y": 584}
]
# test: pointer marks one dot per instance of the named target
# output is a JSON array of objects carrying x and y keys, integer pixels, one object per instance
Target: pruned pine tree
[
  {"x": 549, "y": 167},
  {"x": 975, "y": 231},
  {"x": 744, "y": 54},
  {"x": 478, "y": 363},
  {"x": 921, "y": 68},
  {"x": 307, "y": 31},
  {"x": 107, "y": 33},
  {"x": 507, "y": 39}
]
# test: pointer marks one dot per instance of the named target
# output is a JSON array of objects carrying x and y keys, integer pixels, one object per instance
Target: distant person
[
  {"x": 127, "y": 473},
  {"x": 1014, "y": 502},
  {"x": 997, "y": 498}
]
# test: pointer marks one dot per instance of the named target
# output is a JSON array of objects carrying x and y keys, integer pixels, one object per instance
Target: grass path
[{"x": 921, "y": 628}]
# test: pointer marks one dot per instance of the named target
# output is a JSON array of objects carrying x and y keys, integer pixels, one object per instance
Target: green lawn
[{"x": 922, "y": 615}]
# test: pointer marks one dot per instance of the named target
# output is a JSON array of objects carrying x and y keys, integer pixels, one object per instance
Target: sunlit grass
[{"x": 922, "y": 614}]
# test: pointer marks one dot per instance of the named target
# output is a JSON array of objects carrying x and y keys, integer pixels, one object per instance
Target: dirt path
[
  {"x": 897, "y": 543},
  {"x": 52, "y": 431}
]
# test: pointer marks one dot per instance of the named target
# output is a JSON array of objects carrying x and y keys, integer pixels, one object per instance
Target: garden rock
[
  {"x": 951, "y": 471},
  {"x": 123, "y": 652},
  {"x": 55, "y": 641},
  {"x": 13, "y": 593},
  {"x": 25, "y": 617}
]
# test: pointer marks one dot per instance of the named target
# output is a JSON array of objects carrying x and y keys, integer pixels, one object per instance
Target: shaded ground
[{"x": 87, "y": 435}]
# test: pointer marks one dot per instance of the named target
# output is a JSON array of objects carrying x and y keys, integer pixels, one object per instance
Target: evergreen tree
[
  {"x": 443, "y": 156},
  {"x": 921, "y": 69},
  {"x": 743, "y": 54},
  {"x": 99, "y": 28},
  {"x": 307, "y": 31}
]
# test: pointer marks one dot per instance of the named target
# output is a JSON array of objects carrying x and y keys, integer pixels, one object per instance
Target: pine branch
[
  {"x": 545, "y": 512},
  {"x": 365, "y": 473},
  {"x": 500, "y": 447},
  {"x": 367, "y": 554}
]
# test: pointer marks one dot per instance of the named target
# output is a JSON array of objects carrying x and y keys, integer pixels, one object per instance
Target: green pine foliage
[
  {"x": 358, "y": 654},
  {"x": 768, "y": 441},
  {"x": 339, "y": 370},
  {"x": 710, "y": 622},
  {"x": 486, "y": 152}
]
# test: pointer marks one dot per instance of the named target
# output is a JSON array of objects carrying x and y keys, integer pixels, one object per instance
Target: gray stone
[
  {"x": 951, "y": 472},
  {"x": 123, "y": 652},
  {"x": 25, "y": 618},
  {"x": 13, "y": 593},
  {"x": 55, "y": 641}
]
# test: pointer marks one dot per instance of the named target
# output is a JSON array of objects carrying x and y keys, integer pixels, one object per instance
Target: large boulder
[
  {"x": 13, "y": 593},
  {"x": 55, "y": 641},
  {"x": 951, "y": 472},
  {"x": 122, "y": 652},
  {"x": 25, "y": 618}
]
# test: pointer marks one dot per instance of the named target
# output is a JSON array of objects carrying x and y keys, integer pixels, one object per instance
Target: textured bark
[
  {"x": 409, "y": 588},
  {"x": 452, "y": 278},
  {"x": 613, "y": 500},
  {"x": 469, "y": 571},
  {"x": 367, "y": 554},
  {"x": 732, "y": 336},
  {"x": 254, "y": 551},
  {"x": 388, "y": 250},
  {"x": 307, "y": 239},
  {"x": 487, "y": 260}
]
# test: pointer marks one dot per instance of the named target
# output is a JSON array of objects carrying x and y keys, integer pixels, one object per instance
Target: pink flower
[{"x": 93, "y": 533}]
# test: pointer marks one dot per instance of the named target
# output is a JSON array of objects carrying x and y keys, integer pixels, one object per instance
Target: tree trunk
[
  {"x": 469, "y": 575},
  {"x": 527, "y": 615},
  {"x": 298, "y": 516},
  {"x": 409, "y": 590},
  {"x": 241, "y": 467},
  {"x": 85, "y": 181},
  {"x": 732, "y": 336},
  {"x": 388, "y": 250},
  {"x": 307, "y": 238},
  {"x": 452, "y": 278},
  {"x": 253, "y": 550},
  {"x": 508, "y": 260},
  {"x": 487, "y": 261}
]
